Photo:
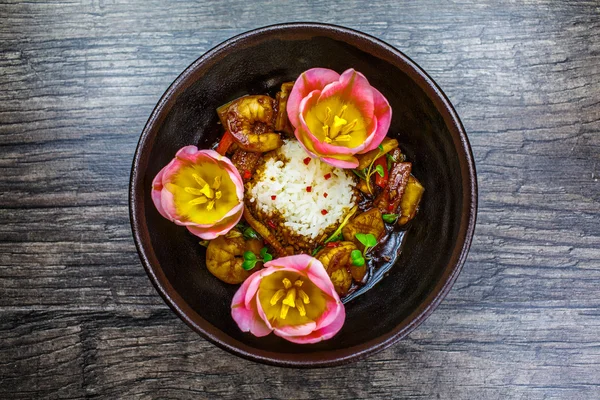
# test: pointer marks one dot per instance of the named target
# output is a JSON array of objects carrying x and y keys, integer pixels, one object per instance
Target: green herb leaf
[
  {"x": 250, "y": 233},
  {"x": 380, "y": 147},
  {"x": 361, "y": 237},
  {"x": 358, "y": 262},
  {"x": 390, "y": 218},
  {"x": 267, "y": 257},
  {"x": 371, "y": 240},
  {"x": 248, "y": 264},
  {"x": 379, "y": 169},
  {"x": 249, "y": 256},
  {"x": 263, "y": 251},
  {"x": 355, "y": 254}
]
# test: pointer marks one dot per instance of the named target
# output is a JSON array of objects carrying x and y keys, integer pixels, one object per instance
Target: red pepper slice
[
  {"x": 309, "y": 189},
  {"x": 273, "y": 197},
  {"x": 247, "y": 174},
  {"x": 306, "y": 160},
  {"x": 225, "y": 143},
  {"x": 381, "y": 181},
  {"x": 324, "y": 212},
  {"x": 325, "y": 195},
  {"x": 332, "y": 245},
  {"x": 327, "y": 176},
  {"x": 271, "y": 224}
]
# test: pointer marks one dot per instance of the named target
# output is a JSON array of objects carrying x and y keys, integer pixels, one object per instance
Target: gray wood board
[{"x": 79, "y": 317}]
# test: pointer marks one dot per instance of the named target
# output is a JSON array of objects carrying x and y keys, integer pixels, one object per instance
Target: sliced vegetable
[
  {"x": 381, "y": 178},
  {"x": 368, "y": 222},
  {"x": 387, "y": 145},
  {"x": 410, "y": 200},
  {"x": 225, "y": 143},
  {"x": 281, "y": 118}
]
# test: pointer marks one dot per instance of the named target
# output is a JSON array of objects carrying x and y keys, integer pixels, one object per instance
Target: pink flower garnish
[
  {"x": 292, "y": 297},
  {"x": 201, "y": 190},
  {"x": 337, "y": 116}
]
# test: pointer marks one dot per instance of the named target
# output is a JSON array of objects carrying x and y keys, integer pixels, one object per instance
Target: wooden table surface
[{"x": 78, "y": 315}]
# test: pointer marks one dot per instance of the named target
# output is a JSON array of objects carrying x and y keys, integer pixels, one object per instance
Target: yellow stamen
[
  {"x": 343, "y": 138},
  {"x": 194, "y": 191},
  {"x": 342, "y": 110},
  {"x": 207, "y": 191},
  {"x": 199, "y": 180},
  {"x": 284, "y": 310},
  {"x": 327, "y": 116},
  {"x": 328, "y": 140},
  {"x": 348, "y": 127},
  {"x": 302, "y": 294},
  {"x": 287, "y": 283},
  {"x": 326, "y": 131},
  {"x": 197, "y": 201},
  {"x": 301, "y": 309},
  {"x": 290, "y": 298},
  {"x": 210, "y": 205},
  {"x": 298, "y": 282},
  {"x": 338, "y": 123},
  {"x": 277, "y": 296},
  {"x": 217, "y": 183}
]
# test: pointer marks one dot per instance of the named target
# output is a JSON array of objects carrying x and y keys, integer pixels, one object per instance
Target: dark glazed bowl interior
[{"x": 424, "y": 123}]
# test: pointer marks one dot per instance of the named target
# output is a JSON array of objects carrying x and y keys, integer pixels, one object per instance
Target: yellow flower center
[
  {"x": 336, "y": 122},
  {"x": 293, "y": 297},
  {"x": 206, "y": 194},
  {"x": 288, "y": 298},
  {"x": 203, "y": 193}
]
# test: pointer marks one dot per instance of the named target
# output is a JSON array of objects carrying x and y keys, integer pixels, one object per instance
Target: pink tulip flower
[
  {"x": 337, "y": 116},
  {"x": 201, "y": 190},
  {"x": 292, "y": 297}
]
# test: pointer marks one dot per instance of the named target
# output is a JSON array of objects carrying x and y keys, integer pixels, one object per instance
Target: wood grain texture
[{"x": 78, "y": 316}]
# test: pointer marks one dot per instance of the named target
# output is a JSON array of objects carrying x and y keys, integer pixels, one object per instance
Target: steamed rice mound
[{"x": 306, "y": 198}]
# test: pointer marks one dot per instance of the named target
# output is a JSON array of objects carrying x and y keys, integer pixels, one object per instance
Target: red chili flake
[
  {"x": 325, "y": 195},
  {"x": 327, "y": 176},
  {"x": 273, "y": 197},
  {"x": 247, "y": 174},
  {"x": 324, "y": 212},
  {"x": 309, "y": 189},
  {"x": 390, "y": 207},
  {"x": 332, "y": 245},
  {"x": 271, "y": 224},
  {"x": 307, "y": 160}
]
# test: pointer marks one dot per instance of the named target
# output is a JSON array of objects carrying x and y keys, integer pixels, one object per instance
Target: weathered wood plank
[{"x": 78, "y": 316}]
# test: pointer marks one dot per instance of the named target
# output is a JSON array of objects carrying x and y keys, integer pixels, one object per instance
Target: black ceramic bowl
[{"x": 429, "y": 132}]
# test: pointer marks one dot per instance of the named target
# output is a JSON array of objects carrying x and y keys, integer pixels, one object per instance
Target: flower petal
[
  {"x": 247, "y": 318},
  {"x": 352, "y": 87},
  {"x": 295, "y": 330},
  {"x": 341, "y": 161},
  {"x": 383, "y": 115},
  {"x": 313, "y": 79},
  {"x": 211, "y": 232},
  {"x": 156, "y": 194},
  {"x": 327, "y": 332}
]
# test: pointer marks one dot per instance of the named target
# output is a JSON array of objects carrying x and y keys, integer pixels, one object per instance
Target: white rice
[{"x": 301, "y": 210}]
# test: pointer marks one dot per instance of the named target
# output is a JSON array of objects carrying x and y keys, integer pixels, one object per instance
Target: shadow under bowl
[{"x": 430, "y": 134}]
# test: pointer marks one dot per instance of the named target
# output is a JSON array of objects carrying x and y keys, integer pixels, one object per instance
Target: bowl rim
[{"x": 319, "y": 358}]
